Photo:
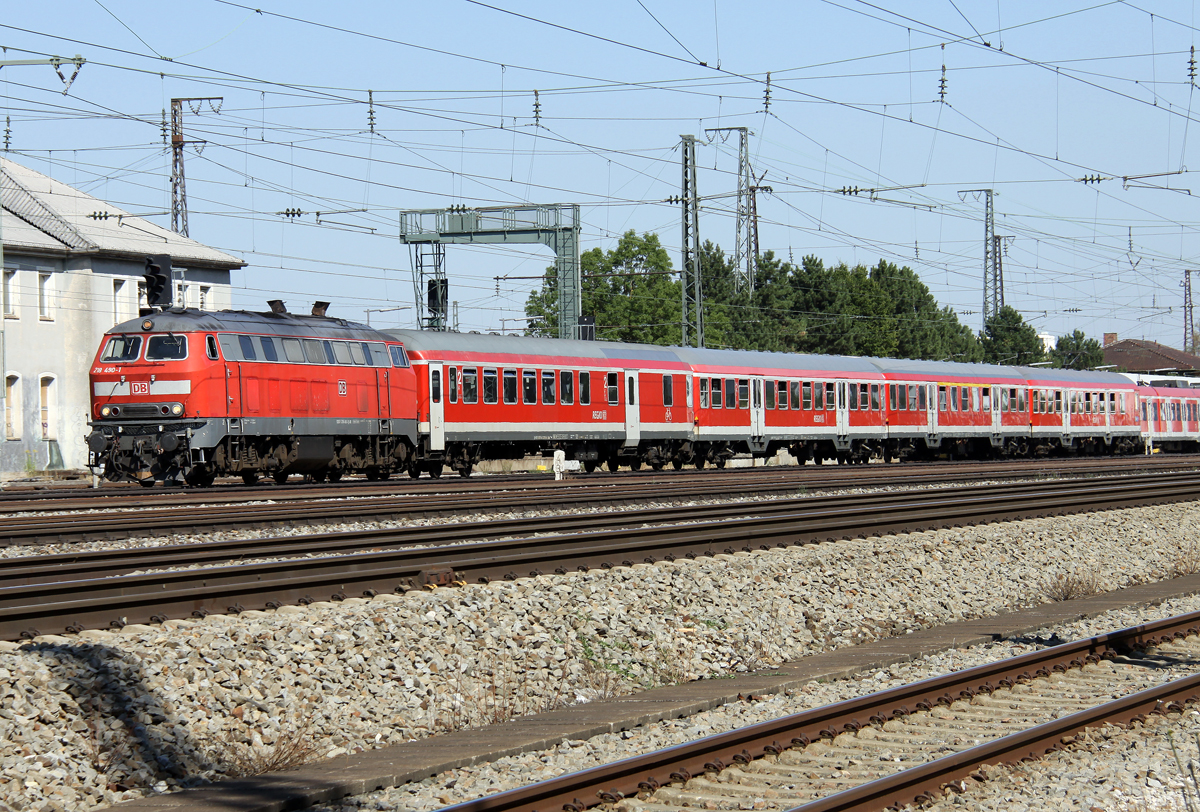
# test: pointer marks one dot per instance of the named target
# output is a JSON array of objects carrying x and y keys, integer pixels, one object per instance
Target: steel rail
[
  {"x": 92, "y": 564},
  {"x": 126, "y": 524},
  {"x": 27, "y": 611},
  {"x": 18, "y": 500},
  {"x": 645, "y": 773}
]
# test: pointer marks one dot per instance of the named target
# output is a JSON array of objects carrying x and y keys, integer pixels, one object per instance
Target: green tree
[
  {"x": 1077, "y": 351},
  {"x": 1008, "y": 339}
]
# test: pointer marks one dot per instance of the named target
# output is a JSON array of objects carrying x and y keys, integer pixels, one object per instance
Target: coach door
[
  {"x": 381, "y": 389},
  {"x": 437, "y": 414},
  {"x": 843, "y": 413},
  {"x": 633, "y": 417},
  {"x": 931, "y": 404},
  {"x": 233, "y": 389},
  {"x": 757, "y": 414},
  {"x": 996, "y": 429}
]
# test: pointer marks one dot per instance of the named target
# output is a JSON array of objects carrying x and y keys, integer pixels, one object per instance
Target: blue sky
[{"x": 1037, "y": 97}]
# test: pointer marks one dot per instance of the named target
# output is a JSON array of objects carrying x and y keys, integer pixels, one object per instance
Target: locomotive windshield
[
  {"x": 166, "y": 348},
  {"x": 122, "y": 349}
]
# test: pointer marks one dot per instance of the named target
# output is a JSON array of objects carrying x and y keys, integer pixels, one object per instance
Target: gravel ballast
[{"x": 101, "y": 717}]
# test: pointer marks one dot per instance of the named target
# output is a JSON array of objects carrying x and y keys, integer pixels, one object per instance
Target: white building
[{"x": 73, "y": 268}]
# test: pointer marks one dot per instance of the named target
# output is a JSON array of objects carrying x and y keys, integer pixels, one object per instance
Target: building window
[
  {"x": 12, "y": 408},
  {"x": 45, "y": 292},
  {"x": 181, "y": 294},
  {"x": 46, "y": 401},
  {"x": 10, "y": 294},
  {"x": 205, "y": 297},
  {"x": 118, "y": 290}
]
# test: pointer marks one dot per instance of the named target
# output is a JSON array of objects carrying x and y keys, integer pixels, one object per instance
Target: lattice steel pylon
[
  {"x": 993, "y": 280},
  {"x": 1189, "y": 320},
  {"x": 689, "y": 198},
  {"x": 179, "y": 217},
  {"x": 745, "y": 257},
  {"x": 555, "y": 225}
]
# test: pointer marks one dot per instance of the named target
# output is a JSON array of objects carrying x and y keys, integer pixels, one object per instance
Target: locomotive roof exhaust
[
  {"x": 319, "y": 308},
  {"x": 277, "y": 306}
]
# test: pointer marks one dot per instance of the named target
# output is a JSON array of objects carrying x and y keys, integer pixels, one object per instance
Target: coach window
[
  {"x": 942, "y": 399},
  {"x": 853, "y": 400},
  {"x": 585, "y": 388},
  {"x": 435, "y": 385},
  {"x": 730, "y": 393},
  {"x": 892, "y": 402},
  {"x": 1087, "y": 403},
  {"x": 566, "y": 387},
  {"x": 704, "y": 393},
  {"x": 510, "y": 386},
  {"x": 794, "y": 394},
  {"x": 912, "y": 397},
  {"x": 864, "y": 400},
  {"x": 1121, "y": 402},
  {"x": 489, "y": 386},
  {"x": 743, "y": 393},
  {"x": 1021, "y": 405},
  {"x": 631, "y": 391},
  {"x": 876, "y": 396},
  {"x": 614, "y": 394},
  {"x": 268, "y": 348},
  {"x": 922, "y": 396},
  {"x": 770, "y": 393},
  {"x": 548, "y": 388},
  {"x": 974, "y": 398},
  {"x": 452, "y": 384},
  {"x": 830, "y": 400},
  {"x": 783, "y": 394},
  {"x": 1058, "y": 401},
  {"x": 668, "y": 390},
  {"x": 247, "y": 345},
  {"x": 954, "y": 398},
  {"x": 818, "y": 396},
  {"x": 716, "y": 393},
  {"x": 529, "y": 387},
  {"x": 756, "y": 397},
  {"x": 470, "y": 384},
  {"x": 313, "y": 351}
]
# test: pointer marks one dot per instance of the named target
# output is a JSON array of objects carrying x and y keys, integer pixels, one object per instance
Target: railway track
[
  {"x": 903, "y": 745},
  {"x": 41, "y": 605},
  {"x": 146, "y": 516}
]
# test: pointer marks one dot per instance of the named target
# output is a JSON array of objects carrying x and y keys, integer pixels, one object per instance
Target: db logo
[
  {"x": 139, "y": 388},
  {"x": 341, "y": 387}
]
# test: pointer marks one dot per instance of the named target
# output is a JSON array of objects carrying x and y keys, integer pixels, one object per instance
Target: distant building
[
  {"x": 1048, "y": 340},
  {"x": 73, "y": 268},
  {"x": 1139, "y": 355}
]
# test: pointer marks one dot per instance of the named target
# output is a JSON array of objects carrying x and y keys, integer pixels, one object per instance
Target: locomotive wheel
[
  {"x": 201, "y": 478},
  {"x": 677, "y": 464},
  {"x": 250, "y": 477},
  {"x": 280, "y": 477}
]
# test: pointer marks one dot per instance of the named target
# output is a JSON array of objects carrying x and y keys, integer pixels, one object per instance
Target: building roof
[
  {"x": 43, "y": 215},
  {"x": 1139, "y": 355}
]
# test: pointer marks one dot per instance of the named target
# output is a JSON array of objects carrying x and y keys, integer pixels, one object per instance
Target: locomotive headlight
[
  {"x": 105, "y": 411},
  {"x": 177, "y": 409},
  {"x": 148, "y": 324}
]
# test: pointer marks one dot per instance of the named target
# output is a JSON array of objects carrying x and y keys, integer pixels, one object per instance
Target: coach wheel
[
  {"x": 677, "y": 464},
  {"x": 435, "y": 469},
  {"x": 635, "y": 465},
  {"x": 414, "y": 470},
  {"x": 280, "y": 477},
  {"x": 373, "y": 475},
  {"x": 613, "y": 465},
  {"x": 318, "y": 476},
  {"x": 464, "y": 472},
  {"x": 719, "y": 462},
  {"x": 250, "y": 477},
  {"x": 201, "y": 478},
  {"x": 335, "y": 474},
  {"x": 700, "y": 461},
  {"x": 590, "y": 466}
]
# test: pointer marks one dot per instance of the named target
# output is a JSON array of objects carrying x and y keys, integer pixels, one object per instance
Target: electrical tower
[
  {"x": 689, "y": 199},
  {"x": 179, "y": 219},
  {"x": 993, "y": 281},
  {"x": 428, "y": 231},
  {"x": 755, "y": 251},
  {"x": 744, "y": 257},
  {"x": 1189, "y": 320}
]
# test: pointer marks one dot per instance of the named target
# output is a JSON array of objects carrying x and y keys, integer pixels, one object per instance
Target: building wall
[{"x": 60, "y": 311}]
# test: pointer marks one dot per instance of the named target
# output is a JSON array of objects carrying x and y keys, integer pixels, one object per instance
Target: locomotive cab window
[
  {"x": 268, "y": 348},
  {"x": 585, "y": 388},
  {"x": 668, "y": 393},
  {"x": 566, "y": 387},
  {"x": 169, "y": 348},
  {"x": 210, "y": 348},
  {"x": 246, "y": 343},
  {"x": 122, "y": 349},
  {"x": 452, "y": 384}
]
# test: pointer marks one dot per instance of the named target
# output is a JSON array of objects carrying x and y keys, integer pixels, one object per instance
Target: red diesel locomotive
[{"x": 185, "y": 396}]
